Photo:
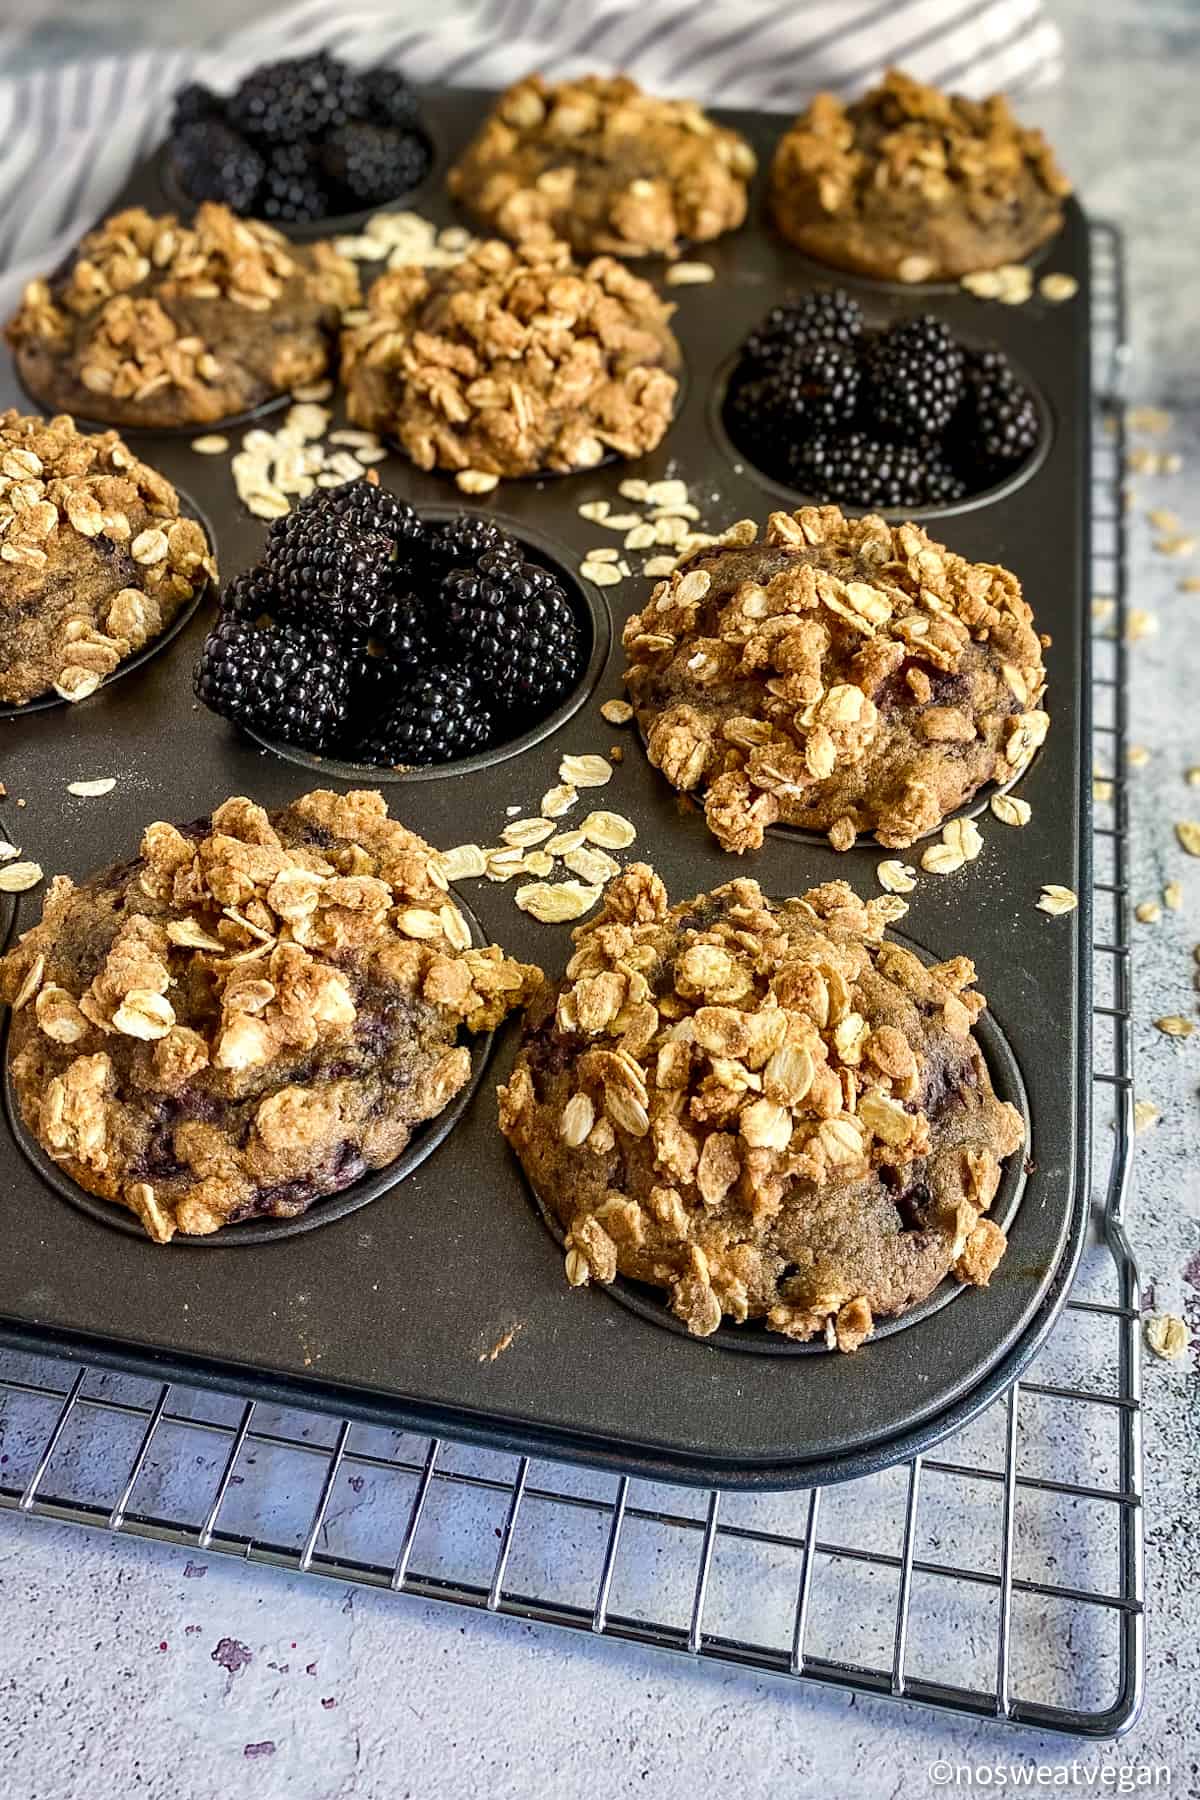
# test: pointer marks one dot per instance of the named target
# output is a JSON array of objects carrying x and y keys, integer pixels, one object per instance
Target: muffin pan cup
[{"x": 389, "y": 1314}]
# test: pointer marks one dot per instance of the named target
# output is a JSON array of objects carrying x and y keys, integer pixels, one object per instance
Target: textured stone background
[{"x": 130, "y": 1669}]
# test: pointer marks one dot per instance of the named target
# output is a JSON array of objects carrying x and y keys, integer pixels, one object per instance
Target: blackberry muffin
[
  {"x": 252, "y": 1014},
  {"x": 767, "y": 1109},
  {"x": 912, "y": 184},
  {"x": 844, "y": 675},
  {"x": 608, "y": 168},
  {"x": 156, "y": 323},
  {"x": 97, "y": 558},
  {"x": 513, "y": 362}
]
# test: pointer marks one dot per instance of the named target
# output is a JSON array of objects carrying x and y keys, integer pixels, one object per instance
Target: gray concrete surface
[{"x": 129, "y": 1669}]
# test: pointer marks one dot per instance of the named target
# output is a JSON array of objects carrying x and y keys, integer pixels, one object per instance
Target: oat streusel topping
[
  {"x": 156, "y": 322},
  {"x": 96, "y": 558},
  {"x": 599, "y": 163},
  {"x": 253, "y": 1014},
  {"x": 769, "y": 1110},
  {"x": 514, "y": 361},
  {"x": 915, "y": 184},
  {"x": 844, "y": 675}
]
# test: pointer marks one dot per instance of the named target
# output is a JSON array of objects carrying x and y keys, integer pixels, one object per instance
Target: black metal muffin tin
[{"x": 388, "y": 1313}]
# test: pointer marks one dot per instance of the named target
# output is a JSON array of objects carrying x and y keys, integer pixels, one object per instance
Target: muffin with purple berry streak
[{"x": 252, "y": 1014}]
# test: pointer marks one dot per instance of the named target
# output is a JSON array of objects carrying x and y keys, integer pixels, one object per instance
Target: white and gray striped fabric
[{"x": 69, "y": 135}]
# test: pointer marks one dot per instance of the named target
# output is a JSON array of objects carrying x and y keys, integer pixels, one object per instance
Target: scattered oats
[
  {"x": 602, "y": 573},
  {"x": 503, "y": 864},
  {"x": 1188, "y": 833},
  {"x": 512, "y": 812},
  {"x": 1102, "y": 788},
  {"x": 357, "y": 440},
  {"x": 17, "y": 877},
  {"x": 92, "y": 790},
  {"x": 8, "y": 852},
  {"x": 658, "y": 566},
  {"x": 621, "y": 521},
  {"x": 603, "y": 555},
  {"x": 563, "y": 841},
  {"x": 983, "y": 283},
  {"x": 1173, "y": 896},
  {"x": 1145, "y": 1114},
  {"x": 539, "y": 863},
  {"x": 1162, "y": 519},
  {"x": 633, "y": 488},
  {"x": 1174, "y": 1025},
  {"x": 1011, "y": 811},
  {"x": 1193, "y": 777},
  {"x": 682, "y": 509},
  {"x": 313, "y": 392},
  {"x": 212, "y": 445},
  {"x": 1140, "y": 624},
  {"x": 555, "y": 904},
  {"x": 585, "y": 771},
  {"x": 1147, "y": 912},
  {"x": 271, "y": 506},
  {"x": 595, "y": 511},
  {"x": 475, "y": 481},
  {"x": 465, "y": 862},
  {"x": 609, "y": 829},
  {"x": 1056, "y": 900},
  {"x": 666, "y": 493},
  {"x": 1056, "y": 288},
  {"x": 1190, "y": 584},
  {"x": 915, "y": 268},
  {"x": 624, "y": 569},
  {"x": 1151, "y": 419},
  {"x": 617, "y": 712},
  {"x": 940, "y": 859},
  {"x": 1137, "y": 756},
  {"x": 1167, "y": 1336},
  {"x": 896, "y": 877},
  {"x": 1141, "y": 461},
  {"x": 527, "y": 832},
  {"x": 641, "y": 537},
  {"x": 1179, "y": 544},
  {"x": 689, "y": 274},
  {"x": 669, "y": 528},
  {"x": 558, "y": 800},
  {"x": 963, "y": 837},
  {"x": 1170, "y": 462},
  {"x": 595, "y": 866}
]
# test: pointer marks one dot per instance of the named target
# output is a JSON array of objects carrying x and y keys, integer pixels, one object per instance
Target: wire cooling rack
[{"x": 1002, "y": 1578}]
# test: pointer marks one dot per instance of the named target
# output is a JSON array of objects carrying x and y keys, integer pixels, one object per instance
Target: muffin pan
[{"x": 389, "y": 1314}]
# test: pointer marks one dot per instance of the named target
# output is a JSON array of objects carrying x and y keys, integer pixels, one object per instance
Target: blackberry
[
  {"x": 819, "y": 318},
  {"x": 371, "y": 163},
  {"x": 407, "y": 633},
  {"x": 292, "y": 192},
  {"x": 329, "y": 572},
  {"x": 194, "y": 102},
  {"x": 818, "y": 385},
  {"x": 513, "y": 627},
  {"x": 250, "y": 595},
  {"x": 857, "y": 470},
  {"x": 999, "y": 424},
  {"x": 390, "y": 98},
  {"x": 283, "y": 682},
  {"x": 360, "y": 505},
  {"x": 214, "y": 163},
  {"x": 462, "y": 540},
  {"x": 298, "y": 97},
  {"x": 914, "y": 380},
  {"x": 435, "y": 718}
]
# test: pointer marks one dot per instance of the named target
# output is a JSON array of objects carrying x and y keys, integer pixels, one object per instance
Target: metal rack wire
[{"x": 957, "y": 1580}]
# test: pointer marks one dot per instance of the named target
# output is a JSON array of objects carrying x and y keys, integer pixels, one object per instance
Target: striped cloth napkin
[{"x": 69, "y": 135}]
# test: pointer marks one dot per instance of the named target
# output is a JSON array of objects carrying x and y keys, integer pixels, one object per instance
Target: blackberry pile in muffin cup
[
  {"x": 305, "y": 138},
  {"x": 371, "y": 634},
  {"x": 900, "y": 418}
]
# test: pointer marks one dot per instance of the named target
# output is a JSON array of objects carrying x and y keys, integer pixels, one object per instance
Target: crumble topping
[
  {"x": 97, "y": 558},
  {"x": 599, "y": 163},
  {"x": 770, "y": 1110},
  {"x": 915, "y": 183},
  {"x": 155, "y": 321},
  {"x": 251, "y": 1015},
  {"x": 514, "y": 361},
  {"x": 843, "y": 674}
]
